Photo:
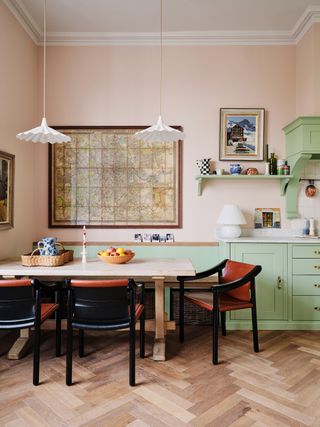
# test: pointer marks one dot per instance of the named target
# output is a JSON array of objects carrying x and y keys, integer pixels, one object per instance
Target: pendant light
[
  {"x": 44, "y": 133},
  {"x": 160, "y": 132}
]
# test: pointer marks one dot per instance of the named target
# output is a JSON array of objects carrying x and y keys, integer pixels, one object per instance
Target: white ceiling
[{"x": 94, "y": 21}]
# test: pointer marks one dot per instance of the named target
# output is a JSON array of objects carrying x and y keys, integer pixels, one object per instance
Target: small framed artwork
[
  {"x": 156, "y": 238},
  {"x": 146, "y": 237},
  {"x": 267, "y": 218},
  {"x": 6, "y": 190},
  {"x": 170, "y": 237},
  {"x": 241, "y": 134},
  {"x": 138, "y": 237}
]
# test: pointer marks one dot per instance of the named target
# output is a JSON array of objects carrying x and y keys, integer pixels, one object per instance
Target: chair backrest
[
  {"x": 17, "y": 303},
  {"x": 100, "y": 300},
  {"x": 233, "y": 271}
]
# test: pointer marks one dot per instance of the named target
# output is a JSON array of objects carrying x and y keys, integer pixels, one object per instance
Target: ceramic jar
[{"x": 235, "y": 169}]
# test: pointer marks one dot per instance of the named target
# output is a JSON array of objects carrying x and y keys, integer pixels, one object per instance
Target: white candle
[
  {"x": 84, "y": 245},
  {"x": 84, "y": 237}
]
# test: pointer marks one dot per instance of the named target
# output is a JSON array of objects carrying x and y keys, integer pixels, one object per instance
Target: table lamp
[{"x": 231, "y": 217}]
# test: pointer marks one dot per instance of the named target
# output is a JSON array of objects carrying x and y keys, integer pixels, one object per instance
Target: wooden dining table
[{"x": 156, "y": 270}]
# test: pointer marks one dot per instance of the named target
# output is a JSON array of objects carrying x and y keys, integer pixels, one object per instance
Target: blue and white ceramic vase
[{"x": 235, "y": 169}]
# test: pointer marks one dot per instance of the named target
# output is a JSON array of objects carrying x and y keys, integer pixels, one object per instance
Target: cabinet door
[{"x": 271, "y": 283}]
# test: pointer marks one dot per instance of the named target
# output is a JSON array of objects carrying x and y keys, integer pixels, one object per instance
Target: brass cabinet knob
[{"x": 279, "y": 283}]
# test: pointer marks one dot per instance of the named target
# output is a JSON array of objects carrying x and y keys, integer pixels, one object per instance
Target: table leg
[
  {"x": 159, "y": 347},
  {"x": 21, "y": 345}
]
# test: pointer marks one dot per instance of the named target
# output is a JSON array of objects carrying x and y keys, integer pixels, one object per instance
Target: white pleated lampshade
[
  {"x": 159, "y": 132},
  {"x": 43, "y": 134}
]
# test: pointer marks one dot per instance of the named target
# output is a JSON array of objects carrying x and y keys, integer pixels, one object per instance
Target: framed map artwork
[{"x": 106, "y": 178}]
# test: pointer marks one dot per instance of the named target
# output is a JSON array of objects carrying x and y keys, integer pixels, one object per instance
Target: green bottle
[{"x": 273, "y": 164}]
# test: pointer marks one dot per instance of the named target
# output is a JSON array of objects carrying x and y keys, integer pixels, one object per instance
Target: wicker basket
[
  {"x": 66, "y": 253},
  {"x": 116, "y": 259},
  {"x": 193, "y": 315},
  {"x": 35, "y": 260}
]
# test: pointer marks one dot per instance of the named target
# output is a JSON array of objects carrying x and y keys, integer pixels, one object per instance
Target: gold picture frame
[
  {"x": 6, "y": 190},
  {"x": 241, "y": 134}
]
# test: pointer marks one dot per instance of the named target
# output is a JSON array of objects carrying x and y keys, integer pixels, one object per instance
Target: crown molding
[
  {"x": 310, "y": 16},
  {"x": 25, "y": 19},
  {"x": 194, "y": 38}
]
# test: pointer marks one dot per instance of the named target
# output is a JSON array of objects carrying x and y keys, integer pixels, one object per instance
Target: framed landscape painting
[
  {"x": 107, "y": 178},
  {"x": 241, "y": 134},
  {"x": 6, "y": 190}
]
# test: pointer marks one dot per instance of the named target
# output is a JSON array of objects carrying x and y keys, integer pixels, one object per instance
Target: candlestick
[
  {"x": 84, "y": 236},
  {"x": 84, "y": 245}
]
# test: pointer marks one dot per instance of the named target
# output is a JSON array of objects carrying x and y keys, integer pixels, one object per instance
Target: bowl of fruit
[{"x": 116, "y": 255}]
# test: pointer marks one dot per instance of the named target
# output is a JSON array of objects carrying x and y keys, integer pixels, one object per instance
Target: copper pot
[{"x": 310, "y": 190}]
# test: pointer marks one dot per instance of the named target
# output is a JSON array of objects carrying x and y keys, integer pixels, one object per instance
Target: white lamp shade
[
  {"x": 159, "y": 133},
  {"x": 231, "y": 215},
  {"x": 44, "y": 134}
]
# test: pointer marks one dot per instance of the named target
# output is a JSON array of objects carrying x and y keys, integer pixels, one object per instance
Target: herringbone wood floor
[{"x": 280, "y": 386}]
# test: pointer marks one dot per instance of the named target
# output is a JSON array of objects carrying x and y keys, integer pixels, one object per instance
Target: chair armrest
[
  {"x": 225, "y": 287},
  {"x": 205, "y": 273}
]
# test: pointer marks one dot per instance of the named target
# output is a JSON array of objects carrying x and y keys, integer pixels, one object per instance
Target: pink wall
[
  {"x": 18, "y": 105},
  {"x": 119, "y": 86},
  {"x": 308, "y": 72},
  {"x": 317, "y": 69}
]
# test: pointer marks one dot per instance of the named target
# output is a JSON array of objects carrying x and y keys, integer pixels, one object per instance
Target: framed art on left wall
[{"x": 6, "y": 190}]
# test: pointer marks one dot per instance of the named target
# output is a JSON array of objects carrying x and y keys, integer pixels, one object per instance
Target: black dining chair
[
  {"x": 20, "y": 307},
  {"x": 235, "y": 290},
  {"x": 105, "y": 305}
]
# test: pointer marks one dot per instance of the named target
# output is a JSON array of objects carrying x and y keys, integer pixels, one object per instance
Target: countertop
[{"x": 273, "y": 239}]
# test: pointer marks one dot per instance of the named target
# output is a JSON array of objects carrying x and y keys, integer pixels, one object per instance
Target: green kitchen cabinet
[{"x": 271, "y": 283}]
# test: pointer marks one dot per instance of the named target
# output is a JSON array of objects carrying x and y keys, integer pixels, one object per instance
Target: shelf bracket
[
  {"x": 293, "y": 185},
  {"x": 283, "y": 186}
]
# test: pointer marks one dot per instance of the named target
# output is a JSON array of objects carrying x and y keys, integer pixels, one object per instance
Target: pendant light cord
[
  {"x": 44, "y": 55},
  {"x": 161, "y": 54}
]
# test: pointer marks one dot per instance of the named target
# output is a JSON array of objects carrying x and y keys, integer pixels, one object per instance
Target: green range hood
[{"x": 302, "y": 145}]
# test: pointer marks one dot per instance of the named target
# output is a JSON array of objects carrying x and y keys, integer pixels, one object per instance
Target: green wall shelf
[{"x": 284, "y": 179}]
